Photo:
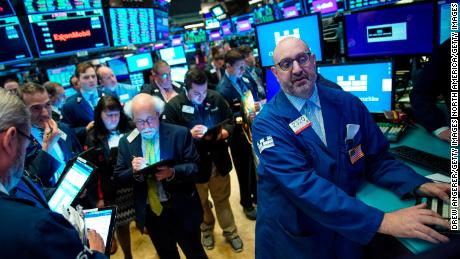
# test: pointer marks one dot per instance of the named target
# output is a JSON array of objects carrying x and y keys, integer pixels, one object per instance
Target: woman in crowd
[{"x": 110, "y": 123}]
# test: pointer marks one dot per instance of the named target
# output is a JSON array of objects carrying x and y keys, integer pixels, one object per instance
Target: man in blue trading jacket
[
  {"x": 78, "y": 111},
  {"x": 163, "y": 87},
  {"x": 28, "y": 231},
  {"x": 166, "y": 202},
  {"x": 315, "y": 144},
  {"x": 110, "y": 85},
  {"x": 232, "y": 87}
]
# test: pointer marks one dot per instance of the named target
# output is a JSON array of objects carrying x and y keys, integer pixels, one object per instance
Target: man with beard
[
  {"x": 163, "y": 86},
  {"x": 315, "y": 144},
  {"x": 165, "y": 200},
  {"x": 28, "y": 231}
]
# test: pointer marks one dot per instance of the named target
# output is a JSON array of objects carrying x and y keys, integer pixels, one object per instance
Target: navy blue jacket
[
  {"x": 228, "y": 91},
  {"x": 307, "y": 191},
  {"x": 30, "y": 232},
  {"x": 175, "y": 143}
]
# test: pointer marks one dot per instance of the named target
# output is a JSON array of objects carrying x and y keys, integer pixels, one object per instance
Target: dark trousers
[
  {"x": 167, "y": 229},
  {"x": 244, "y": 165}
]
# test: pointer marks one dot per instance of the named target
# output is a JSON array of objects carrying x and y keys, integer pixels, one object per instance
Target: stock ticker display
[{"x": 132, "y": 26}]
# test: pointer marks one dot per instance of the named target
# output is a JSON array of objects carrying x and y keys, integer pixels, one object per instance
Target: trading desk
[{"x": 387, "y": 201}]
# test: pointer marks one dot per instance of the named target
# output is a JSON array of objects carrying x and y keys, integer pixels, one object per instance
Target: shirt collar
[
  {"x": 299, "y": 102},
  {"x": 3, "y": 189},
  {"x": 87, "y": 94},
  {"x": 232, "y": 78}
]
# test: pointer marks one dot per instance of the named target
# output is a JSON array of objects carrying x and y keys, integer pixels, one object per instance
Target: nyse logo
[{"x": 278, "y": 37}]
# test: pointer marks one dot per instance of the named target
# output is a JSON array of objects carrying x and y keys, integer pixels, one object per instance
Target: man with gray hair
[
  {"x": 28, "y": 231},
  {"x": 165, "y": 198},
  {"x": 110, "y": 85}
]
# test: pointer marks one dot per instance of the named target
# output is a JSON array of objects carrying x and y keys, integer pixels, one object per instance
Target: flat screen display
[
  {"x": 174, "y": 55},
  {"x": 362, "y": 4},
  {"x": 399, "y": 30},
  {"x": 193, "y": 37},
  {"x": 46, "y": 6},
  {"x": 326, "y": 7},
  {"x": 61, "y": 75},
  {"x": 243, "y": 24},
  {"x": 306, "y": 28},
  {"x": 263, "y": 14},
  {"x": 14, "y": 44},
  {"x": 162, "y": 25},
  {"x": 139, "y": 62},
  {"x": 132, "y": 26},
  {"x": 69, "y": 32}
]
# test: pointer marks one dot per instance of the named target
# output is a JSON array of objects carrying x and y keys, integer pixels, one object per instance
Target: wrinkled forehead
[{"x": 289, "y": 48}]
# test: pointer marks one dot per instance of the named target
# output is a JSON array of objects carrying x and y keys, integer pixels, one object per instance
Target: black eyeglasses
[
  {"x": 302, "y": 59},
  {"x": 28, "y": 137}
]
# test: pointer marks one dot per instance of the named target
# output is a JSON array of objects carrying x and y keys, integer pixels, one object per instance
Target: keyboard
[
  {"x": 392, "y": 131},
  {"x": 439, "y": 206},
  {"x": 434, "y": 163}
]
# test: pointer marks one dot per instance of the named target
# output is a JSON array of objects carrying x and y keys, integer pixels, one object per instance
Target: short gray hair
[{"x": 13, "y": 112}]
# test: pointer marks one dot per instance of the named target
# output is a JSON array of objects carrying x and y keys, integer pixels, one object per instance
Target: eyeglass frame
[
  {"x": 29, "y": 137},
  {"x": 308, "y": 54},
  {"x": 139, "y": 121}
]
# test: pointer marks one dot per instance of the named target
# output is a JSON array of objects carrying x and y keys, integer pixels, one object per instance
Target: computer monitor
[
  {"x": 243, "y": 23},
  {"x": 6, "y": 9},
  {"x": 372, "y": 82},
  {"x": 139, "y": 62},
  {"x": 119, "y": 67},
  {"x": 178, "y": 73},
  {"x": 288, "y": 9},
  {"x": 263, "y": 14},
  {"x": 174, "y": 55},
  {"x": 325, "y": 7},
  {"x": 395, "y": 30},
  {"x": 218, "y": 11},
  {"x": 133, "y": 3},
  {"x": 307, "y": 28},
  {"x": 176, "y": 40},
  {"x": 444, "y": 21},
  {"x": 362, "y": 4},
  {"x": 214, "y": 35},
  {"x": 211, "y": 23},
  {"x": 132, "y": 26},
  {"x": 272, "y": 87},
  {"x": 61, "y": 75},
  {"x": 189, "y": 48},
  {"x": 193, "y": 37},
  {"x": 161, "y": 25},
  {"x": 14, "y": 44},
  {"x": 226, "y": 27},
  {"x": 40, "y": 6},
  {"x": 65, "y": 33}
]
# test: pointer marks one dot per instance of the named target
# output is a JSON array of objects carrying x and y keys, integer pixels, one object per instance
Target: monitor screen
[
  {"x": 288, "y": 9},
  {"x": 139, "y": 62},
  {"x": 176, "y": 41},
  {"x": 174, "y": 55},
  {"x": 217, "y": 10},
  {"x": 370, "y": 82},
  {"x": 272, "y": 87},
  {"x": 215, "y": 35},
  {"x": 243, "y": 24},
  {"x": 6, "y": 9},
  {"x": 189, "y": 48},
  {"x": 444, "y": 21},
  {"x": 326, "y": 7},
  {"x": 263, "y": 14},
  {"x": 399, "y": 30},
  {"x": 133, "y": 3},
  {"x": 192, "y": 37},
  {"x": 119, "y": 67},
  {"x": 102, "y": 221},
  {"x": 41, "y": 6},
  {"x": 226, "y": 27},
  {"x": 211, "y": 23},
  {"x": 71, "y": 184},
  {"x": 178, "y": 73},
  {"x": 306, "y": 28},
  {"x": 61, "y": 75},
  {"x": 162, "y": 25},
  {"x": 14, "y": 44},
  {"x": 69, "y": 32},
  {"x": 361, "y": 4},
  {"x": 132, "y": 26}
]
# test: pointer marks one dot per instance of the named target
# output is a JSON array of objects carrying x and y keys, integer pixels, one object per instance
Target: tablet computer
[
  {"x": 70, "y": 184},
  {"x": 214, "y": 130},
  {"x": 102, "y": 220},
  {"x": 152, "y": 169}
]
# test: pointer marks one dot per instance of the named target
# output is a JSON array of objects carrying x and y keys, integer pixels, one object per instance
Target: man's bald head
[
  {"x": 286, "y": 43},
  {"x": 106, "y": 77},
  {"x": 146, "y": 103}
]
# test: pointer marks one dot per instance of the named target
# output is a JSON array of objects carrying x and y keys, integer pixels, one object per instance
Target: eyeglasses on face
[
  {"x": 150, "y": 121},
  {"x": 302, "y": 59},
  {"x": 28, "y": 137}
]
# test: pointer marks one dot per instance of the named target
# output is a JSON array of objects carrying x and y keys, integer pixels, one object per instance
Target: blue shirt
[{"x": 315, "y": 105}]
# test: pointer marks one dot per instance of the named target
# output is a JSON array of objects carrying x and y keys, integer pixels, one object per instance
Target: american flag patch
[{"x": 355, "y": 154}]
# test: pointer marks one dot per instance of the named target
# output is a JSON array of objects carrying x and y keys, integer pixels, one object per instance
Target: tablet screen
[
  {"x": 102, "y": 221},
  {"x": 70, "y": 185}
]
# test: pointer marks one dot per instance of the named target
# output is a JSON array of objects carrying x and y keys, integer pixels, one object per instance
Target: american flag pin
[{"x": 355, "y": 154}]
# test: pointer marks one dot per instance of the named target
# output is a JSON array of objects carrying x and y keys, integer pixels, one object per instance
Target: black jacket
[
  {"x": 214, "y": 110},
  {"x": 153, "y": 89}
]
